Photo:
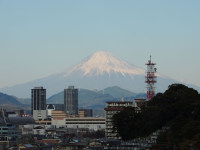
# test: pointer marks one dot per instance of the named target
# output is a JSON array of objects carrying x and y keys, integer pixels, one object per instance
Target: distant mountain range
[
  {"x": 95, "y": 99},
  {"x": 100, "y": 70},
  {"x": 10, "y": 102},
  {"x": 87, "y": 98}
]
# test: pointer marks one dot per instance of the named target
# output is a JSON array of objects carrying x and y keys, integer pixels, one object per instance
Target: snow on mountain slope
[
  {"x": 104, "y": 62},
  {"x": 98, "y": 71}
]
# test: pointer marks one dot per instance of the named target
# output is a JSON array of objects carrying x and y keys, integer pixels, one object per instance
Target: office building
[
  {"x": 38, "y": 103},
  {"x": 71, "y": 100}
]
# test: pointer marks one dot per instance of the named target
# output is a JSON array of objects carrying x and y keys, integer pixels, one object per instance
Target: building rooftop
[
  {"x": 21, "y": 120},
  {"x": 119, "y": 102},
  {"x": 38, "y": 87},
  {"x": 50, "y": 106}
]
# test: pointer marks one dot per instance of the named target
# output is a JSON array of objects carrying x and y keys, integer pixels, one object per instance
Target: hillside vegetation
[
  {"x": 9, "y": 100},
  {"x": 95, "y": 99},
  {"x": 177, "y": 108}
]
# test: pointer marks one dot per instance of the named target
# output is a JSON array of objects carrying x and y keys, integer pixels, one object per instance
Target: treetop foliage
[{"x": 177, "y": 108}]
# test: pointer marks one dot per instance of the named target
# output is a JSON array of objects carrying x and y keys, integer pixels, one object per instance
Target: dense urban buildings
[
  {"x": 71, "y": 100},
  {"x": 38, "y": 103}
]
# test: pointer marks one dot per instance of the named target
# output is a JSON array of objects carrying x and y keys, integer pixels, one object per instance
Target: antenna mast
[
  {"x": 150, "y": 79},
  {"x": 3, "y": 115}
]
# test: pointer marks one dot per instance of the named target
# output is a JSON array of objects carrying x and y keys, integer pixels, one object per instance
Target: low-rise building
[
  {"x": 91, "y": 123},
  {"x": 85, "y": 113},
  {"x": 39, "y": 130},
  {"x": 60, "y": 118}
]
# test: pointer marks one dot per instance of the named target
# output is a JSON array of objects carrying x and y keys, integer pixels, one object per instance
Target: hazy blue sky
[{"x": 42, "y": 37}]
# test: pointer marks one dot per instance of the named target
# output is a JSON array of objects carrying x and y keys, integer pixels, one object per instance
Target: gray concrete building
[
  {"x": 71, "y": 100},
  {"x": 38, "y": 103}
]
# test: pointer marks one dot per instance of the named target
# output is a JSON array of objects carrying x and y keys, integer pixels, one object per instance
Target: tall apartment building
[
  {"x": 112, "y": 108},
  {"x": 71, "y": 100},
  {"x": 38, "y": 103}
]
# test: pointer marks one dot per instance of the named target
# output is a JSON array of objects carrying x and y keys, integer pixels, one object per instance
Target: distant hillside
[
  {"x": 117, "y": 92},
  {"x": 26, "y": 101},
  {"x": 95, "y": 99},
  {"x": 87, "y": 99},
  {"x": 11, "y": 102},
  {"x": 7, "y": 99}
]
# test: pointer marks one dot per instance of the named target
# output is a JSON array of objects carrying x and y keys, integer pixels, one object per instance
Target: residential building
[
  {"x": 112, "y": 108},
  {"x": 71, "y": 100}
]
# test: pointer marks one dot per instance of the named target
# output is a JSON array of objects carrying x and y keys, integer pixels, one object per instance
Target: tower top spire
[{"x": 150, "y": 57}]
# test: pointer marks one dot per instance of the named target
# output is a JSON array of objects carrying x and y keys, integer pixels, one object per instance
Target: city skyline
[{"x": 42, "y": 38}]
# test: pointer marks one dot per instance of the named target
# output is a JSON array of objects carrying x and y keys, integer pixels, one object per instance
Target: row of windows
[
  {"x": 85, "y": 123},
  {"x": 3, "y": 133},
  {"x": 84, "y": 120},
  {"x": 3, "y": 128}
]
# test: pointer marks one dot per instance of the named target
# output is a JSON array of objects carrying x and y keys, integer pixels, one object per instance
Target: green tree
[{"x": 177, "y": 108}]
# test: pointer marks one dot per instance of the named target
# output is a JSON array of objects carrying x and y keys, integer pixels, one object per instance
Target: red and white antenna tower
[{"x": 150, "y": 79}]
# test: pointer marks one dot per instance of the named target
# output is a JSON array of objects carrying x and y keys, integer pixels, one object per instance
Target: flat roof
[{"x": 119, "y": 102}]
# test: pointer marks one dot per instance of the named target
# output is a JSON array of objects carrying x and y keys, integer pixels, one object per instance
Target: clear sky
[{"x": 42, "y": 37}]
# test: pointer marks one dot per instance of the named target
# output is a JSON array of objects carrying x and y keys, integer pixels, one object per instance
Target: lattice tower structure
[{"x": 150, "y": 79}]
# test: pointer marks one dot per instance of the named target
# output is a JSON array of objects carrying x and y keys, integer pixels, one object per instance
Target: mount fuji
[{"x": 98, "y": 71}]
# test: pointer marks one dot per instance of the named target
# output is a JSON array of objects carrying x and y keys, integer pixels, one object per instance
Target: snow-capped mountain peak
[
  {"x": 104, "y": 62},
  {"x": 98, "y": 71}
]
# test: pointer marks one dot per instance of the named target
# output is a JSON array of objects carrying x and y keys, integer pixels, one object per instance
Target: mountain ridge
[
  {"x": 100, "y": 70},
  {"x": 95, "y": 99}
]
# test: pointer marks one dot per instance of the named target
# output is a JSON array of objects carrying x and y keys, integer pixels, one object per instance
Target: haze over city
[
  {"x": 40, "y": 38},
  {"x": 99, "y": 75}
]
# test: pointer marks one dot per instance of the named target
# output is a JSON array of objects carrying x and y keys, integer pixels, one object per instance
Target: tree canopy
[{"x": 177, "y": 108}]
